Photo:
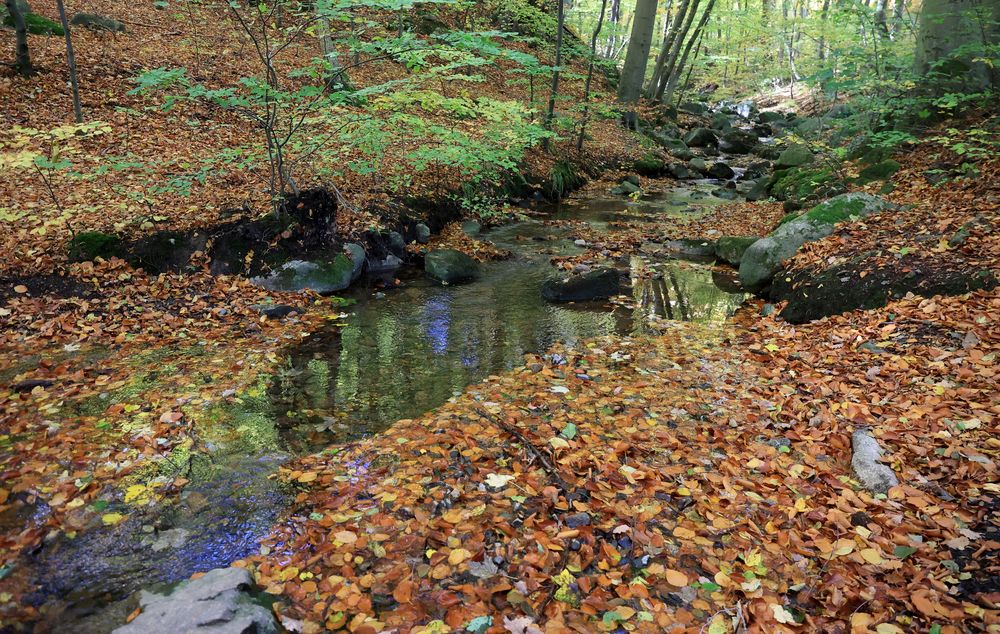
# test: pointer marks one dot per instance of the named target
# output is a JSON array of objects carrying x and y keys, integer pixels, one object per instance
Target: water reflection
[{"x": 413, "y": 349}]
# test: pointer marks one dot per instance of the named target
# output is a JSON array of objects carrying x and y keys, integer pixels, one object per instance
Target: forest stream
[{"x": 397, "y": 354}]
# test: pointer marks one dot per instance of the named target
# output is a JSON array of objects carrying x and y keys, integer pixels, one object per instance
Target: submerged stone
[
  {"x": 319, "y": 276},
  {"x": 450, "y": 266},
  {"x": 597, "y": 284}
]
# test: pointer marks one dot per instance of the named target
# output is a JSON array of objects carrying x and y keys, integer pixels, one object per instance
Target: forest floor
[
  {"x": 697, "y": 480},
  {"x": 690, "y": 481}
]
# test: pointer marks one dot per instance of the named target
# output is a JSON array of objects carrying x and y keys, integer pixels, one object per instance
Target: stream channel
[{"x": 399, "y": 354}]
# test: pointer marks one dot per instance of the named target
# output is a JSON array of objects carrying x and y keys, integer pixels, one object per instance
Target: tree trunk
[
  {"x": 679, "y": 66},
  {"x": 590, "y": 75},
  {"x": 71, "y": 62},
  {"x": 336, "y": 77},
  {"x": 614, "y": 18},
  {"x": 675, "y": 49},
  {"x": 668, "y": 43},
  {"x": 22, "y": 59},
  {"x": 634, "y": 70},
  {"x": 897, "y": 17},
  {"x": 824, "y": 13},
  {"x": 881, "y": 25},
  {"x": 946, "y": 25},
  {"x": 561, "y": 25}
]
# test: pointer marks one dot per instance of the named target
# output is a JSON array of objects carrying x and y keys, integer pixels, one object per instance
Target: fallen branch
[
  {"x": 535, "y": 451},
  {"x": 875, "y": 476}
]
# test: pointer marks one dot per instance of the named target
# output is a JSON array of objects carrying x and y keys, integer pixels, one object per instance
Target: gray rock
[
  {"x": 764, "y": 258},
  {"x": 21, "y": 4},
  {"x": 865, "y": 462},
  {"x": 386, "y": 265},
  {"x": 397, "y": 243},
  {"x": 676, "y": 148},
  {"x": 794, "y": 156},
  {"x": 757, "y": 190},
  {"x": 276, "y": 311},
  {"x": 319, "y": 276},
  {"x": 358, "y": 257},
  {"x": 698, "y": 165},
  {"x": 598, "y": 284},
  {"x": 423, "y": 233},
  {"x": 721, "y": 122},
  {"x": 97, "y": 22},
  {"x": 172, "y": 538},
  {"x": 472, "y": 228},
  {"x": 737, "y": 142},
  {"x": 720, "y": 170},
  {"x": 216, "y": 603},
  {"x": 450, "y": 266},
  {"x": 626, "y": 188},
  {"x": 577, "y": 520},
  {"x": 679, "y": 170},
  {"x": 725, "y": 193},
  {"x": 700, "y": 137},
  {"x": 632, "y": 178},
  {"x": 693, "y": 107},
  {"x": 770, "y": 117}
]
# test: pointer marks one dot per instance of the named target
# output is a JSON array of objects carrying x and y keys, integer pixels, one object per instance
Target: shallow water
[{"x": 398, "y": 354}]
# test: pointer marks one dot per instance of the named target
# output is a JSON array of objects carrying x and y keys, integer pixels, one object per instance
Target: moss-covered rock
[
  {"x": 765, "y": 257},
  {"x": 650, "y": 165},
  {"x": 97, "y": 22},
  {"x": 814, "y": 294},
  {"x": 880, "y": 171},
  {"x": 88, "y": 245},
  {"x": 730, "y": 249},
  {"x": 794, "y": 156},
  {"x": 37, "y": 24},
  {"x": 450, "y": 266},
  {"x": 803, "y": 184},
  {"x": 323, "y": 277}
]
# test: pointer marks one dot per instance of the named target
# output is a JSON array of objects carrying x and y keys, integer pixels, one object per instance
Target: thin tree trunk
[
  {"x": 634, "y": 70},
  {"x": 668, "y": 42},
  {"x": 614, "y": 18},
  {"x": 881, "y": 26},
  {"x": 561, "y": 24},
  {"x": 824, "y": 13},
  {"x": 679, "y": 68},
  {"x": 897, "y": 16},
  {"x": 590, "y": 75},
  {"x": 675, "y": 49},
  {"x": 336, "y": 77},
  {"x": 22, "y": 58},
  {"x": 71, "y": 62}
]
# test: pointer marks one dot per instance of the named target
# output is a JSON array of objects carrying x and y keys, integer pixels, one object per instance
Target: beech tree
[
  {"x": 634, "y": 70},
  {"x": 22, "y": 58}
]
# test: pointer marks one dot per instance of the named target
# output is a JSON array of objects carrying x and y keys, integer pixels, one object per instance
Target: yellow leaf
[
  {"x": 676, "y": 578},
  {"x": 458, "y": 555},
  {"x": 871, "y": 555},
  {"x": 346, "y": 537},
  {"x": 753, "y": 559},
  {"x": 136, "y": 493},
  {"x": 888, "y": 628},
  {"x": 308, "y": 476},
  {"x": 110, "y": 519}
]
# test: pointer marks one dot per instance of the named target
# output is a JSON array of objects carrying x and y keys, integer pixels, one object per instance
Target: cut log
[{"x": 873, "y": 475}]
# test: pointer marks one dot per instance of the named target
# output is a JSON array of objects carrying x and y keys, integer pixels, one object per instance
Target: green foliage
[
  {"x": 650, "y": 165},
  {"x": 563, "y": 178},
  {"x": 88, "y": 245}
]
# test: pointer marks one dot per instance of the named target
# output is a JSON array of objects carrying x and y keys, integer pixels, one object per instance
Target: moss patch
[
  {"x": 37, "y": 24},
  {"x": 88, "y": 245},
  {"x": 650, "y": 165},
  {"x": 878, "y": 172}
]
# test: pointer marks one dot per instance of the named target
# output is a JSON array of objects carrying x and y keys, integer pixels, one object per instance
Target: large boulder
[
  {"x": 358, "y": 257},
  {"x": 700, "y": 137},
  {"x": 693, "y": 107},
  {"x": 721, "y": 122},
  {"x": 679, "y": 170},
  {"x": 794, "y": 156},
  {"x": 450, "y": 266},
  {"x": 770, "y": 116},
  {"x": 730, "y": 249},
  {"x": 97, "y": 22},
  {"x": 737, "y": 141},
  {"x": 720, "y": 170},
  {"x": 626, "y": 188},
  {"x": 323, "y": 277},
  {"x": 698, "y": 165},
  {"x": 597, "y": 284},
  {"x": 217, "y": 603},
  {"x": 764, "y": 258},
  {"x": 676, "y": 148}
]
